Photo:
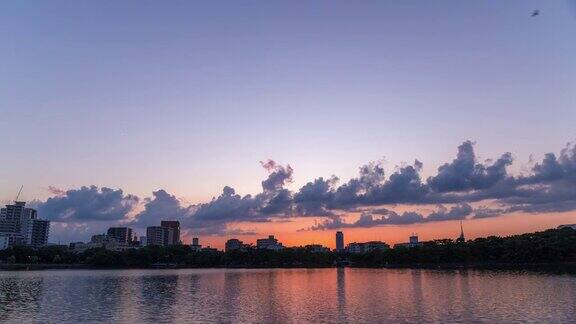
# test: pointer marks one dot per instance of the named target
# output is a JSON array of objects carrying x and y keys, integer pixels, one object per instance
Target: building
[
  {"x": 413, "y": 242},
  {"x": 143, "y": 241},
  {"x": 158, "y": 235},
  {"x": 122, "y": 235},
  {"x": 209, "y": 249},
  {"x": 168, "y": 233},
  {"x": 98, "y": 238},
  {"x": 375, "y": 246},
  {"x": 572, "y": 226},
  {"x": 22, "y": 226},
  {"x": 367, "y": 247},
  {"x": 40, "y": 231},
  {"x": 355, "y": 247},
  {"x": 108, "y": 244},
  {"x": 175, "y": 226},
  {"x": 4, "y": 239},
  {"x": 234, "y": 245},
  {"x": 269, "y": 243},
  {"x": 339, "y": 241},
  {"x": 195, "y": 244},
  {"x": 316, "y": 248},
  {"x": 461, "y": 239}
]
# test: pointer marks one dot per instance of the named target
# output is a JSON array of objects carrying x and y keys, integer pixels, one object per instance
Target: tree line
[{"x": 550, "y": 246}]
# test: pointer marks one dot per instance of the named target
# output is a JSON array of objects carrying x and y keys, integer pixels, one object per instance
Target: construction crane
[{"x": 19, "y": 192}]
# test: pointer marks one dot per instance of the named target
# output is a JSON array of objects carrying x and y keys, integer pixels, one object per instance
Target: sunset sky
[{"x": 377, "y": 118}]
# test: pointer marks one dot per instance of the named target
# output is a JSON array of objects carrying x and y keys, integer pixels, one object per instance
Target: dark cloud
[
  {"x": 403, "y": 186},
  {"x": 372, "y": 188},
  {"x": 548, "y": 170},
  {"x": 313, "y": 197},
  {"x": 278, "y": 176},
  {"x": 274, "y": 201},
  {"x": 389, "y": 217},
  {"x": 163, "y": 206},
  {"x": 457, "y": 212},
  {"x": 465, "y": 173},
  {"x": 355, "y": 191},
  {"x": 88, "y": 204},
  {"x": 228, "y": 206}
]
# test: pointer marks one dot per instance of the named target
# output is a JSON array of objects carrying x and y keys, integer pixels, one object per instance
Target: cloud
[
  {"x": 56, "y": 191},
  {"x": 403, "y": 186},
  {"x": 76, "y": 232},
  {"x": 465, "y": 173},
  {"x": 313, "y": 197},
  {"x": 550, "y": 186},
  {"x": 163, "y": 206},
  {"x": 273, "y": 202},
  {"x": 278, "y": 176},
  {"x": 87, "y": 204},
  {"x": 388, "y": 217}
]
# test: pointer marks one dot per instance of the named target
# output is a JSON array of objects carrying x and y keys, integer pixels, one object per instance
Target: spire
[{"x": 461, "y": 239}]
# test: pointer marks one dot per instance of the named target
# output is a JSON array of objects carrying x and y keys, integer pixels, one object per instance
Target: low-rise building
[
  {"x": 195, "y": 246},
  {"x": 235, "y": 245},
  {"x": 108, "y": 244},
  {"x": 269, "y": 243},
  {"x": 209, "y": 249},
  {"x": 98, "y": 238},
  {"x": 572, "y": 226},
  {"x": 413, "y": 242},
  {"x": 316, "y": 248},
  {"x": 367, "y": 247}
]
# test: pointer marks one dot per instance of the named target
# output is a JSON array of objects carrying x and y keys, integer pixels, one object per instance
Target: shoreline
[{"x": 564, "y": 267}]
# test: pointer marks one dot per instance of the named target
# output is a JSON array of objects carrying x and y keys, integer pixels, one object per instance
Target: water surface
[{"x": 285, "y": 295}]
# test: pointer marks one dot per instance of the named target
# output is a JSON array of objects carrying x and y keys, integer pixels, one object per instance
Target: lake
[{"x": 286, "y": 295}]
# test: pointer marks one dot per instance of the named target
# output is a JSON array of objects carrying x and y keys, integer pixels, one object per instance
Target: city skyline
[
  {"x": 305, "y": 215},
  {"x": 380, "y": 119}
]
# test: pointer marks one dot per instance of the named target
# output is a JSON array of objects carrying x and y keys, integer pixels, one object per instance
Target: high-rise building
[
  {"x": 175, "y": 226},
  {"x": 122, "y": 235},
  {"x": 158, "y": 235},
  {"x": 4, "y": 239},
  {"x": 339, "y": 241},
  {"x": 40, "y": 232},
  {"x": 21, "y": 226}
]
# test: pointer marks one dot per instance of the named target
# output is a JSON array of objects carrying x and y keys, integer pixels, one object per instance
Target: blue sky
[{"x": 189, "y": 96}]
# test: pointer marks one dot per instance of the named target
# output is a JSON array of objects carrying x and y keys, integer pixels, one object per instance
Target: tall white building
[{"x": 22, "y": 226}]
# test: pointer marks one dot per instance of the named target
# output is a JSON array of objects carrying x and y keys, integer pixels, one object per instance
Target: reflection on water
[{"x": 285, "y": 295}]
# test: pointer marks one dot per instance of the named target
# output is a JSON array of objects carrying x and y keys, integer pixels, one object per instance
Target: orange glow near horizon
[{"x": 288, "y": 234}]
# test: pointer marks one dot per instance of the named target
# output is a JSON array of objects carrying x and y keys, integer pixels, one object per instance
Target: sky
[{"x": 129, "y": 112}]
